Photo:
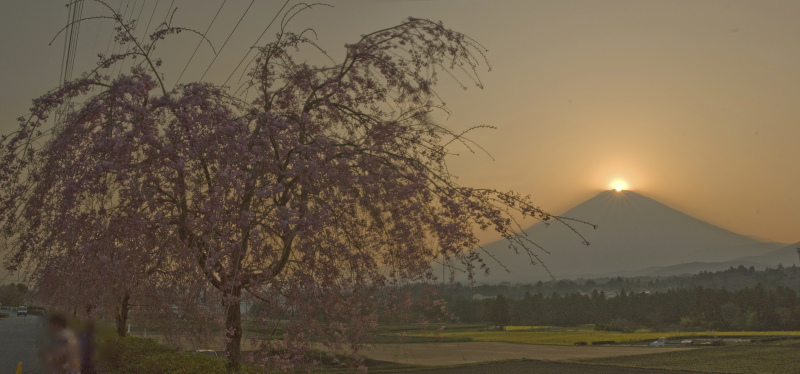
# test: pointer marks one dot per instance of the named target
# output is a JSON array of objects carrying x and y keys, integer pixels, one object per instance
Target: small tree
[
  {"x": 499, "y": 312},
  {"x": 13, "y": 294},
  {"x": 111, "y": 278},
  {"x": 327, "y": 185}
]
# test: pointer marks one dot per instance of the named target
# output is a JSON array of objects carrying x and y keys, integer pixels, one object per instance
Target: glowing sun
[{"x": 619, "y": 185}]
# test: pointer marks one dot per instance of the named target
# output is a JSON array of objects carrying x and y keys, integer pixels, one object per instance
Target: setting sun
[{"x": 619, "y": 185}]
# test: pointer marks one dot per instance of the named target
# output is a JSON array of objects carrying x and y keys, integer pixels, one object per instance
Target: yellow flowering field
[
  {"x": 518, "y": 334},
  {"x": 528, "y": 328}
]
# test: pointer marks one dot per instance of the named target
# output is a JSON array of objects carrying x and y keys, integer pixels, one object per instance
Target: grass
[
  {"x": 131, "y": 355},
  {"x": 532, "y": 328},
  {"x": 543, "y": 335},
  {"x": 766, "y": 358},
  {"x": 416, "y": 327}
]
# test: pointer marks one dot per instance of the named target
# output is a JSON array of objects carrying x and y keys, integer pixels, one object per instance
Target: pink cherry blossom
[{"x": 323, "y": 197}]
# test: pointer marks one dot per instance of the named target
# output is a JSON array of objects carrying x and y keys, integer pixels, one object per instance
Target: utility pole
[{"x": 798, "y": 251}]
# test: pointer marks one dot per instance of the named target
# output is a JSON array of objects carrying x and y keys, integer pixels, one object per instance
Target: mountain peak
[
  {"x": 614, "y": 195},
  {"x": 633, "y": 232}
]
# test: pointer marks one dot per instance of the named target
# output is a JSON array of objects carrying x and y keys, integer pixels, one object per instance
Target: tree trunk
[
  {"x": 233, "y": 324},
  {"x": 122, "y": 316}
]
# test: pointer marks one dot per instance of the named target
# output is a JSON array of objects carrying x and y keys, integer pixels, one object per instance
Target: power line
[
  {"x": 69, "y": 38},
  {"x": 118, "y": 46},
  {"x": 131, "y": 32},
  {"x": 226, "y": 40},
  {"x": 111, "y": 34},
  {"x": 168, "y": 10},
  {"x": 97, "y": 35},
  {"x": 139, "y": 17},
  {"x": 70, "y": 35},
  {"x": 76, "y": 28},
  {"x": 64, "y": 51},
  {"x": 201, "y": 41},
  {"x": 74, "y": 13},
  {"x": 146, "y": 29},
  {"x": 257, "y": 40}
]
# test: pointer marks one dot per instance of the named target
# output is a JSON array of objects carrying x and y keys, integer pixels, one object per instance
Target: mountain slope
[
  {"x": 634, "y": 232},
  {"x": 786, "y": 256}
]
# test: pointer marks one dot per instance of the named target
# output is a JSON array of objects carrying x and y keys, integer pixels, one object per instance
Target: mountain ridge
[{"x": 634, "y": 233}]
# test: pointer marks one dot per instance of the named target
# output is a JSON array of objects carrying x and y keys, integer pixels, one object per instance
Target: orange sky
[{"x": 693, "y": 103}]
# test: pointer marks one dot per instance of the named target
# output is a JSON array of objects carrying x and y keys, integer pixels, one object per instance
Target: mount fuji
[{"x": 635, "y": 236}]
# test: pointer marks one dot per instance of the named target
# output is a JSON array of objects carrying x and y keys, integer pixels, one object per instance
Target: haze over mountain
[
  {"x": 786, "y": 256},
  {"x": 635, "y": 234}
]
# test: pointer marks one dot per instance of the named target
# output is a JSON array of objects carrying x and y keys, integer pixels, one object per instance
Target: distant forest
[
  {"x": 732, "y": 279},
  {"x": 734, "y": 299}
]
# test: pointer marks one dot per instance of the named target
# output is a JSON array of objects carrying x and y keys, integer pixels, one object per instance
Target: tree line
[
  {"x": 13, "y": 294},
  {"x": 732, "y": 279},
  {"x": 699, "y": 308}
]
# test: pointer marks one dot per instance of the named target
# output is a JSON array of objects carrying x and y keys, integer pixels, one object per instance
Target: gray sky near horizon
[{"x": 693, "y": 103}]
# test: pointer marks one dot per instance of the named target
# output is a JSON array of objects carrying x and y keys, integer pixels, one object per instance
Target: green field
[
  {"x": 774, "y": 357},
  {"x": 558, "y": 336},
  {"x": 758, "y": 358}
]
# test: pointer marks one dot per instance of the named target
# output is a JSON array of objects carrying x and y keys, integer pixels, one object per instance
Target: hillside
[{"x": 634, "y": 233}]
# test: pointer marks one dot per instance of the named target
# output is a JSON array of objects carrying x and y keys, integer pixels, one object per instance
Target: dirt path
[
  {"x": 525, "y": 358},
  {"x": 464, "y": 353},
  {"x": 541, "y": 367}
]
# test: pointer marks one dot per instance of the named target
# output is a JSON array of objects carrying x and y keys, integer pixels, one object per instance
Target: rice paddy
[{"x": 558, "y": 336}]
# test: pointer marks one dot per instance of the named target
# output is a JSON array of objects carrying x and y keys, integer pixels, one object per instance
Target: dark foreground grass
[
  {"x": 131, "y": 355},
  {"x": 759, "y": 358},
  {"x": 530, "y": 366},
  {"x": 134, "y": 355}
]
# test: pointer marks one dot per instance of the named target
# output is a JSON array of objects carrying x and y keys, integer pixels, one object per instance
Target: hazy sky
[{"x": 693, "y": 103}]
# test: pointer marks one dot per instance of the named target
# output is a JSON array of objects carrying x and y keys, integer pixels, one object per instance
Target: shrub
[
  {"x": 717, "y": 326},
  {"x": 131, "y": 355},
  {"x": 617, "y": 324}
]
